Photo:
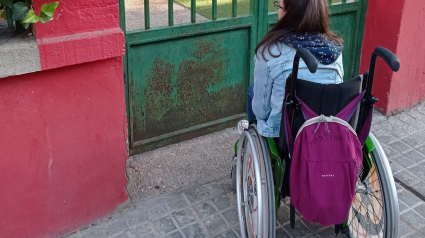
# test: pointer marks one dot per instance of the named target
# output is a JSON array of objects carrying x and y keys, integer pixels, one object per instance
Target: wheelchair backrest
[{"x": 326, "y": 99}]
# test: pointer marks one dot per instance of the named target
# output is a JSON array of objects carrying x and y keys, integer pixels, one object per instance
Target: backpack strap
[
  {"x": 287, "y": 127},
  {"x": 347, "y": 112},
  {"x": 364, "y": 132}
]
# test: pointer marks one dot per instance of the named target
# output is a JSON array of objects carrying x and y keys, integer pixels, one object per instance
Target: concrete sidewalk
[{"x": 183, "y": 190}]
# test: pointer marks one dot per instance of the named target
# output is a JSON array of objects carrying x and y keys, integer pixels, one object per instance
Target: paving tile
[
  {"x": 420, "y": 210},
  {"x": 419, "y": 135},
  {"x": 403, "y": 161},
  {"x": 398, "y": 187},
  {"x": 418, "y": 171},
  {"x": 402, "y": 207},
  {"x": 399, "y": 146},
  {"x": 173, "y": 235},
  {"x": 237, "y": 231},
  {"x": 231, "y": 216},
  {"x": 415, "y": 156},
  {"x": 413, "y": 219},
  {"x": 415, "y": 235},
  {"x": 408, "y": 198},
  {"x": 122, "y": 235},
  {"x": 395, "y": 167},
  {"x": 116, "y": 226},
  {"x": 223, "y": 202},
  {"x": 194, "y": 231},
  {"x": 421, "y": 150},
  {"x": 227, "y": 234},
  {"x": 215, "y": 224},
  {"x": 403, "y": 229},
  {"x": 164, "y": 225},
  {"x": 204, "y": 210},
  {"x": 283, "y": 215},
  {"x": 300, "y": 230},
  {"x": 386, "y": 139},
  {"x": 143, "y": 230},
  {"x": 155, "y": 210},
  {"x": 407, "y": 178},
  {"x": 328, "y": 232},
  {"x": 412, "y": 141},
  {"x": 420, "y": 187},
  {"x": 422, "y": 231},
  {"x": 280, "y": 233},
  {"x": 176, "y": 202},
  {"x": 184, "y": 217},
  {"x": 390, "y": 153},
  {"x": 204, "y": 192},
  {"x": 93, "y": 232},
  {"x": 136, "y": 217}
]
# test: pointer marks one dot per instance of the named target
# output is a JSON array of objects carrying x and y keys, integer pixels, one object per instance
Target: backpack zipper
[{"x": 323, "y": 118}]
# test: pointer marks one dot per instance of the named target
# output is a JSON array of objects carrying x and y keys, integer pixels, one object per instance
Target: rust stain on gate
[{"x": 194, "y": 89}]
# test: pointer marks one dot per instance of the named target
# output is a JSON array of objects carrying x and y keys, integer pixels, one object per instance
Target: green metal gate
[{"x": 185, "y": 80}]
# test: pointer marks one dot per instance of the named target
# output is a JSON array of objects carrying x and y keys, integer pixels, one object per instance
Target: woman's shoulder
[{"x": 275, "y": 53}]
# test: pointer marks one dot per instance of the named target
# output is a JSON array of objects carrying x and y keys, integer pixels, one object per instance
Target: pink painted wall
[
  {"x": 63, "y": 148},
  {"x": 82, "y": 31},
  {"x": 63, "y": 142},
  {"x": 383, "y": 20},
  {"x": 399, "y": 26},
  {"x": 408, "y": 85}
]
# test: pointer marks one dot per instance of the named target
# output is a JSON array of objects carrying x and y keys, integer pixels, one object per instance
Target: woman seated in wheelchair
[
  {"x": 333, "y": 170},
  {"x": 302, "y": 24}
]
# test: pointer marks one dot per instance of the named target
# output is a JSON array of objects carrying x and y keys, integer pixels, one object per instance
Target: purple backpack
[{"x": 326, "y": 163}]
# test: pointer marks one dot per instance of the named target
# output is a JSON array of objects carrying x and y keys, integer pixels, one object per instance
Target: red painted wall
[
  {"x": 383, "y": 20},
  {"x": 82, "y": 31},
  {"x": 408, "y": 85},
  {"x": 398, "y": 25},
  {"x": 62, "y": 147},
  {"x": 78, "y": 16}
]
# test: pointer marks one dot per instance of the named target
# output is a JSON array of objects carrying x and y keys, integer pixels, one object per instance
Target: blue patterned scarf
[{"x": 325, "y": 51}]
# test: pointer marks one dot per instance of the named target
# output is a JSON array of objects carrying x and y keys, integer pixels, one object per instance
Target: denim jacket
[{"x": 270, "y": 79}]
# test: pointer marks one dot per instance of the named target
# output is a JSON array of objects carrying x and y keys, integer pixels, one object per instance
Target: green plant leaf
[
  {"x": 7, "y": 3},
  {"x": 25, "y": 25},
  {"x": 19, "y": 11},
  {"x": 31, "y": 18},
  {"x": 3, "y": 14},
  {"x": 44, "y": 18},
  {"x": 49, "y": 9}
]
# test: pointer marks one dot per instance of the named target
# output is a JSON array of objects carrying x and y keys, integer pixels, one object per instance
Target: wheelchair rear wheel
[
  {"x": 374, "y": 212},
  {"x": 254, "y": 187}
]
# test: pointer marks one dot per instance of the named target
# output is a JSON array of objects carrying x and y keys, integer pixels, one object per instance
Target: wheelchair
[{"x": 260, "y": 167}]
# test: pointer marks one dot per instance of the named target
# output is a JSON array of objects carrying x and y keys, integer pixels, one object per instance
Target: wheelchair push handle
[
  {"x": 308, "y": 59},
  {"x": 388, "y": 56},
  {"x": 312, "y": 65}
]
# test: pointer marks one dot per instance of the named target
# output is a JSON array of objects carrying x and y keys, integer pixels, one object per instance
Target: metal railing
[{"x": 192, "y": 12}]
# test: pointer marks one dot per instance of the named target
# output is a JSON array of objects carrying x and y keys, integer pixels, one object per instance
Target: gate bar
[
  {"x": 193, "y": 10},
  {"x": 329, "y": 2},
  {"x": 147, "y": 17},
  {"x": 234, "y": 8},
  {"x": 214, "y": 10},
  {"x": 170, "y": 13},
  {"x": 344, "y": 1}
]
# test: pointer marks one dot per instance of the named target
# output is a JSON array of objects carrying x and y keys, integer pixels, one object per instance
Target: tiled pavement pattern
[{"x": 210, "y": 210}]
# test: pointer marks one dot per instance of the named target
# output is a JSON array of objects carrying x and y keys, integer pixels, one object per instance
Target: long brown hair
[{"x": 301, "y": 16}]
